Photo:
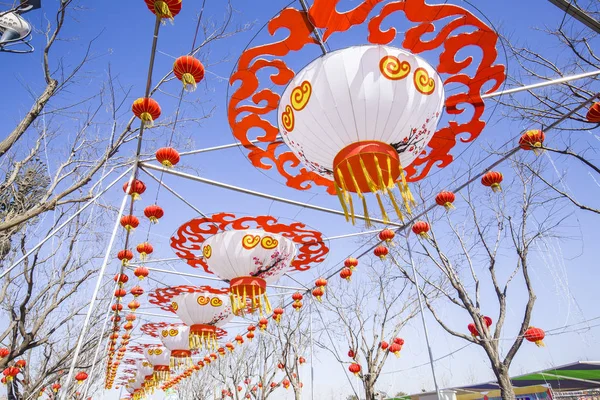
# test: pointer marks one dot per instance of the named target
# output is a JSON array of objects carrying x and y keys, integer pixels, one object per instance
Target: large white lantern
[
  {"x": 359, "y": 115},
  {"x": 159, "y": 357},
  {"x": 176, "y": 338},
  {"x": 248, "y": 259},
  {"x": 203, "y": 312}
]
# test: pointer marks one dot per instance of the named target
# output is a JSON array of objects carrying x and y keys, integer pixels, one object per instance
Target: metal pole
[
  {"x": 577, "y": 13},
  {"x": 95, "y": 294},
  {"x": 97, "y": 351},
  {"x": 412, "y": 264},
  {"x": 210, "y": 278},
  {"x": 174, "y": 193},
  {"x": 312, "y": 357},
  {"x": 260, "y": 194},
  {"x": 542, "y": 84},
  {"x": 90, "y": 202}
]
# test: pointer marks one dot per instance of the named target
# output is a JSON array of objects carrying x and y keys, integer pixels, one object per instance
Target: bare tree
[
  {"x": 367, "y": 314},
  {"x": 469, "y": 251},
  {"x": 574, "y": 140},
  {"x": 51, "y": 163}
]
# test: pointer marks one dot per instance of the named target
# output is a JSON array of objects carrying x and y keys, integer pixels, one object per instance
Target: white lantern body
[
  {"x": 176, "y": 338},
  {"x": 250, "y": 252},
  {"x": 144, "y": 368},
  {"x": 203, "y": 308},
  {"x": 361, "y": 93},
  {"x": 157, "y": 355}
]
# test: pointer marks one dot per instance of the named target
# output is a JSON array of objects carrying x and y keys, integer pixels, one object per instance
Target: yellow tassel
[
  {"x": 349, "y": 199},
  {"x": 340, "y": 196},
  {"x": 233, "y": 301},
  {"x": 390, "y": 184},
  {"x": 147, "y": 119},
  {"x": 358, "y": 192},
  {"x": 253, "y": 299},
  {"x": 366, "y": 213},
  {"x": 243, "y": 304},
  {"x": 370, "y": 182},
  {"x": 383, "y": 213},
  {"x": 268, "y": 304},
  {"x": 167, "y": 164},
  {"x": 395, "y": 204},
  {"x": 189, "y": 83}
]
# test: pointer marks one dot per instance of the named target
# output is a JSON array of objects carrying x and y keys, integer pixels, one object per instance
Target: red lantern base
[
  {"x": 203, "y": 336},
  {"x": 181, "y": 359},
  {"x": 249, "y": 294},
  {"x": 370, "y": 167}
]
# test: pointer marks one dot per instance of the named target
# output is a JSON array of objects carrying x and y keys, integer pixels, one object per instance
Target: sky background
[{"x": 565, "y": 272}]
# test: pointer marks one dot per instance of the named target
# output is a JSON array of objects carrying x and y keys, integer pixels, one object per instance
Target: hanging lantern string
[
  {"x": 177, "y": 110},
  {"x": 138, "y": 152}
]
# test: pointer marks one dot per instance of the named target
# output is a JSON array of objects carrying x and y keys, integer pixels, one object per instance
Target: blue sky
[{"x": 565, "y": 277}]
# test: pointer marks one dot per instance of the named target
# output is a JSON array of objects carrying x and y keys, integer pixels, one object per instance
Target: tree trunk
[
  {"x": 506, "y": 389},
  {"x": 369, "y": 390},
  {"x": 297, "y": 394}
]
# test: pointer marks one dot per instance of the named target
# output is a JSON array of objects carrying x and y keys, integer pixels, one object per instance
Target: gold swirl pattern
[
  {"x": 173, "y": 332},
  {"x": 394, "y": 69},
  {"x": 269, "y": 242},
  {"x": 423, "y": 82},
  {"x": 216, "y": 302},
  {"x": 207, "y": 251},
  {"x": 165, "y": 333},
  {"x": 287, "y": 119},
  {"x": 203, "y": 300},
  {"x": 157, "y": 352},
  {"x": 300, "y": 96},
  {"x": 250, "y": 241},
  {"x": 174, "y": 306}
]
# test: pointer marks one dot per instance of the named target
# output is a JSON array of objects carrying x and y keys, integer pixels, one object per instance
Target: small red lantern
[
  {"x": 421, "y": 228},
  {"x": 593, "y": 114},
  {"x": 386, "y": 235},
  {"x": 535, "y": 335},
  {"x": 136, "y": 190},
  {"x": 532, "y": 140},
  {"x": 251, "y": 328},
  {"x": 144, "y": 249},
  {"x": 136, "y": 291},
  {"x": 354, "y": 368},
  {"x": 129, "y": 222},
  {"x": 133, "y": 305},
  {"x": 128, "y": 326},
  {"x": 351, "y": 263},
  {"x": 381, "y": 251},
  {"x": 56, "y": 387},
  {"x": 492, "y": 179},
  {"x": 445, "y": 199},
  {"x": 230, "y": 347},
  {"x": 239, "y": 339},
  {"x": 141, "y": 272},
  {"x": 297, "y": 305},
  {"x": 346, "y": 273},
  {"x": 384, "y": 345},
  {"x": 473, "y": 329},
  {"x": 120, "y": 293},
  {"x": 154, "y": 213},
  {"x": 80, "y": 377},
  {"x": 262, "y": 323},
  {"x": 285, "y": 383},
  {"x": 190, "y": 71},
  {"x": 250, "y": 335},
  {"x": 277, "y": 313},
  {"x": 125, "y": 256},
  {"x": 147, "y": 110},
  {"x": 301, "y": 360},
  {"x": 10, "y": 373},
  {"x": 395, "y": 348},
  {"x": 21, "y": 364},
  {"x": 130, "y": 317},
  {"x": 318, "y": 293},
  {"x": 4, "y": 352},
  {"x": 297, "y": 296},
  {"x": 351, "y": 353},
  {"x": 121, "y": 279},
  {"x": 321, "y": 283},
  {"x": 167, "y": 156},
  {"x": 117, "y": 307},
  {"x": 399, "y": 341}
]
